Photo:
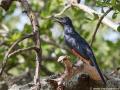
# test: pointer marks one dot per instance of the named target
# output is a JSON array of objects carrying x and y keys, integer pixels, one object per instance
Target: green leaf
[
  {"x": 104, "y": 4},
  {"x": 113, "y": 2},
  {"x": 95, "y": 16},
  {"x": 117, "y": 6},
  {"x": 118, "y": 28},
  {"x": 114, "y": 15}
]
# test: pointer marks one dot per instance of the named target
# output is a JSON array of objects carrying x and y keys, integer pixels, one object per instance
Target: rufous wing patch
[{"x": 81, "y": 57}]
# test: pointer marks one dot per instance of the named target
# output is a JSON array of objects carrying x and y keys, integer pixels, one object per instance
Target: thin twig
[
  {"x": 64, "y": 9},
  {"x": 9, "y": 51},
  {"x": 58, "y": 14},
  {"x": 98, "y": 24},
  {"x": 21, "y": 50}
]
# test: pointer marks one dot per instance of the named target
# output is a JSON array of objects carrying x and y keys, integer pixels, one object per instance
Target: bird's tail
[{"x": 98, "y": 69}]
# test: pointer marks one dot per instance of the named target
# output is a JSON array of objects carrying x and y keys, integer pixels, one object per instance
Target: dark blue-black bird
[{"x": 77, "y": 44}]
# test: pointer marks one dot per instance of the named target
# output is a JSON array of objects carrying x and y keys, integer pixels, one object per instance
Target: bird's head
[{"x": 63, "y": 20}]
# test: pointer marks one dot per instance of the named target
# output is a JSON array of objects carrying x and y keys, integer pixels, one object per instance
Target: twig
[
  {"x": 35, "y": 25},
  {"x": 64, "y": 9},
  {"x": 28, "y": 49},
  {"x": 20, "y": 50},
  {"x": 90, "y": 11},
  {"x": 98, "y": 25},
  {"x": 58, "y": 14},
  {"x": 9, "y": 51}
]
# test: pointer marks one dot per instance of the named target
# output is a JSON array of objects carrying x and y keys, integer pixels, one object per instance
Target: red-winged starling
[{"x": 77, "y": 44}]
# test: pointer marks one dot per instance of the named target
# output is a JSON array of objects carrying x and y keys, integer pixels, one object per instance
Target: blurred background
[{"x": 15, "y": 24}]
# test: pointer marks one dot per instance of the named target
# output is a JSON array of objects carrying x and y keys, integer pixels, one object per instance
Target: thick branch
[{"x": 35, "y": 25}]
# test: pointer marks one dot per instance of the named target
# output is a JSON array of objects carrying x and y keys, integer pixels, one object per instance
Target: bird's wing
[
  {"x": 87, "y": 52},
  {"x": 80, "y": 46},
  {"x": 84, "y": 49},
  {"x": 83, "y": 52},
  {"x": 92, "y": 58}
]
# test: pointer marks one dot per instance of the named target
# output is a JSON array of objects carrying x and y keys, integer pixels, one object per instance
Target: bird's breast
[{"x": 69, "y": 40}]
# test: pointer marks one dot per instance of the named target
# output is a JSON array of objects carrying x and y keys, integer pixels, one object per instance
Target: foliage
[{"x": 15, "y": 24}]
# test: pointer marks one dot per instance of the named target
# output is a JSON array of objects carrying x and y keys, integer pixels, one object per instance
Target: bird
[{"x": 78, "y": 44}]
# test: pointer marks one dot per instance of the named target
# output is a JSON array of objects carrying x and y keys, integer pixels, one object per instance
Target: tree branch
[
  {"x": 20, "y": 50},
  {"x": 58, "y": 14},
  {"x": 35, "y": 25},
  {"x": 92, "y": 12},
  {"x": 98, "y": 25},
  {"x": 9, "y": 51}
]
